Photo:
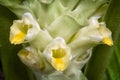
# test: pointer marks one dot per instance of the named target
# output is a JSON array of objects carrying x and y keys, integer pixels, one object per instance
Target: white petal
[{"x": 34, "y": 30}]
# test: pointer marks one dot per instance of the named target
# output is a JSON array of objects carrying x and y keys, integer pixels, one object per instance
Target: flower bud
[{"x": 31, "y": 58}]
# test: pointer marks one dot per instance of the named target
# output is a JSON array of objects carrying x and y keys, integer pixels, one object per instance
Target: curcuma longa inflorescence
[{"x": 59, "y": 46}]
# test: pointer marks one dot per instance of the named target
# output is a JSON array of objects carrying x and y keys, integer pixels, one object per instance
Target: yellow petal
[
  {"x": 59, "y": 59},
  {"x": 107, "y": 41},
  {"x": 18, "y": 38}
]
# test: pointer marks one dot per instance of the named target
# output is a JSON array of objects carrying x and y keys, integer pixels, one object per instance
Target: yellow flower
[
  {"x": 89, "y": 36},
  {"x": 106, "y": 33},
  {"x": 24, "y": 30},
  {"x": 58, "y": 54}
]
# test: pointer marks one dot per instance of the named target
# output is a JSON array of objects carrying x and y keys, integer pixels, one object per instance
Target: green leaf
[
  {"x": 12, "y": 67},
  {"x": 113, "y": 69}
]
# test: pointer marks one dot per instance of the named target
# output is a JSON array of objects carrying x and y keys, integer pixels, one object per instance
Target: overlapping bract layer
[{"x": 59, "y": 51}]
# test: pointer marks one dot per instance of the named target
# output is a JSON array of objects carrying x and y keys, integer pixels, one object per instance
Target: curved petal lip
[
  {"x": 107, "y": 41},
  {"x": 18, "y": 38}
]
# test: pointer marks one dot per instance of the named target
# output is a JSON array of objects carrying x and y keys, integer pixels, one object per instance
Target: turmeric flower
[
  {"x": 58, "y": 54},
  {"x": 24, "y": 30}
]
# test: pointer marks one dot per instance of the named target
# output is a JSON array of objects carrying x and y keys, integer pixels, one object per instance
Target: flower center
[
  {"x": 18, "y": 38},
  {"x": 59, "y": 59},
  {"x": 58, "y": 53},
  {"x": 20, "y": 34}
]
